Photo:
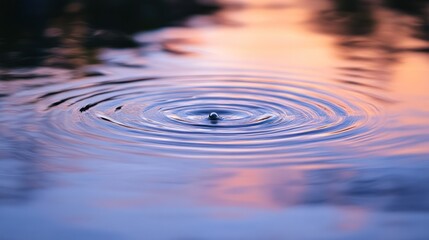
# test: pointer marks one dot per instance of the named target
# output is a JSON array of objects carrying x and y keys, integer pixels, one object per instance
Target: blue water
[{"x": 320, "y": 135}]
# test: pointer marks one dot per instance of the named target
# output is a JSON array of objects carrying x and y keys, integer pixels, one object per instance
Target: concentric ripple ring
[{"x": 262, "y": 119}]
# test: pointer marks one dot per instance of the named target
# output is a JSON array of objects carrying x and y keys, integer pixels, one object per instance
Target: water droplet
[{"x": 214, "y": 116}]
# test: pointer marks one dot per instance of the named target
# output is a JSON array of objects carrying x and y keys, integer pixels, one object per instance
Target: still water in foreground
[{"x": 319, "y": 136}]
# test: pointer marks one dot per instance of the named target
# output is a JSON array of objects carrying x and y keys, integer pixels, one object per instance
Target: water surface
[{"x": 323, "y": 131}]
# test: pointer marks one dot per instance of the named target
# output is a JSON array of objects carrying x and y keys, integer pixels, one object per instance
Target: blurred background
[
  {"x": 66, "y": 33},
  {"x": 32, "y": 30}
]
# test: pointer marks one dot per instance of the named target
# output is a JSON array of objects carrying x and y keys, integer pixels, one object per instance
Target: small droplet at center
[{"x": 214, "y": 116}]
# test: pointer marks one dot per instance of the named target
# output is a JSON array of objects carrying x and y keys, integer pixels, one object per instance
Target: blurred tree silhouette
[
  {"x": 348, "y": 17},
  {"x": 413, "y": 7},
  {"x": 372, "y": 34},
  {"x": 362, "y": 17},
  {"x": 29, "y": 27},
  {"x": 358, "y": 17}
]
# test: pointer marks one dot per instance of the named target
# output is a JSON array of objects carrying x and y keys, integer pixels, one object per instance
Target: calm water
[{"x": 323, "y": 131}]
